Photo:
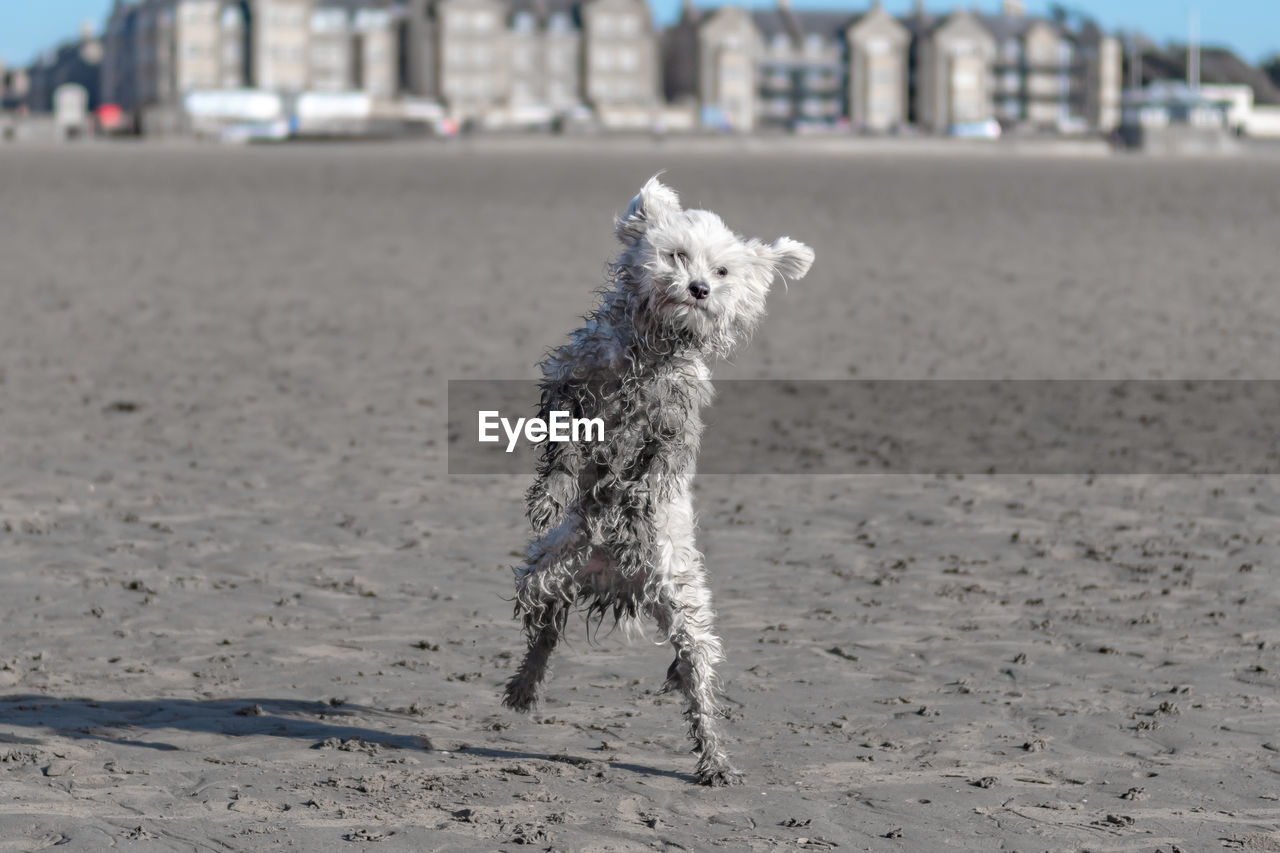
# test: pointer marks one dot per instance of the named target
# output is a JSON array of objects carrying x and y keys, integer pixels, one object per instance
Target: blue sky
[{"x": 1251, "y": 27}]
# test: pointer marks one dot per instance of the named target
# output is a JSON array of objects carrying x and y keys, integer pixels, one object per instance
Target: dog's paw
[
  {"x": 719, "y": 777},
  {"x": 519, "y": 700}
]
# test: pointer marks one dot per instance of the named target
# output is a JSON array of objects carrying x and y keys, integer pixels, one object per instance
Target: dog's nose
[{"x": 699, "y": 289}]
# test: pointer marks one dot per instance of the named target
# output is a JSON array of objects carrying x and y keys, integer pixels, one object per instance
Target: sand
[{"x": 245, "y": 608}]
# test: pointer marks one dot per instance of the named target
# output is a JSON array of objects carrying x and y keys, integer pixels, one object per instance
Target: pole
[{"x": 1193, "y": 51}]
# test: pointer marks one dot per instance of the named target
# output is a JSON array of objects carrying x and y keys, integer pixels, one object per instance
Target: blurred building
[
  {"x": 13, "y": 87},
  {"x": 354, "y": 46},
  {"x": 800, "y": 72},
  {"x": 1047, "y": 77},
  {"x": 493, "y": 62},
  {"x": 879, "y": 71},
  {"x": 544, "y": 44},
  {"x": 941, "y": 73},
  {"x": 78, "y": 61},
  {"x": 1032, "y": 70},
  {"x": 534, "y": 63},
  {"x": 1099, "y": 77},
  {"x": 788, "y": 68},
  {"x": 155, "y": 50},
  {"x": 1173, "y": 117},
  {"x": 952, "y": 66},
  {"x": 159, "y": 50},
  {"x": 621, "y": 71},
  {"x": 710, "y": 58},
  {"x": 525, "y": 62},
  {"x": 464, "y": 44}
]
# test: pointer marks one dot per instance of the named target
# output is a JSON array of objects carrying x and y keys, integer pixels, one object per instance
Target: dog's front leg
[{"x": 556, "y": 486}]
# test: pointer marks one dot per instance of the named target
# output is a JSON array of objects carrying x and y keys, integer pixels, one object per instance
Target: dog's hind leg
[
  {"x": 546, "y": 589},
  {"x": 689, "y": 625},
  {"x": 680, "y": 601},
  {"x": 522, "y": 688}
]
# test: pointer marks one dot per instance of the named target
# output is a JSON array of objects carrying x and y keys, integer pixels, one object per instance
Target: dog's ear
[
  {"x": 654, "y": 202},
  {"x": 788, "y": 258}
]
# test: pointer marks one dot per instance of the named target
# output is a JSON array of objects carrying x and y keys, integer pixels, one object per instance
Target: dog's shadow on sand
[
  {"x": 324, "y": 724},
  {"x": 120, "y": 722}
]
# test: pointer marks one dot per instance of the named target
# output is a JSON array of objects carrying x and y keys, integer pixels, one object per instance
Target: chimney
[{"x": 1015, "y": 9}]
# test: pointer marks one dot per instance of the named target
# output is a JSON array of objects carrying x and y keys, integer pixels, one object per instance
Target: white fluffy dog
[{"x": 613, "y": 520}]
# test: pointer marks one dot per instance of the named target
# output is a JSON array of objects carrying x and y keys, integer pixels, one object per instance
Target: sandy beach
[{"x": 244, "y": 606}]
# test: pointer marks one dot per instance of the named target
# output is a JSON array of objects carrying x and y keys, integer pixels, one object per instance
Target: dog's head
[{"x": 693, "y": 275}]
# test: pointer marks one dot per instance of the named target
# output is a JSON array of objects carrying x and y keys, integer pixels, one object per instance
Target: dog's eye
[
  {"x": 722, "y": 271},
  {"x": 680, "y": 256}
]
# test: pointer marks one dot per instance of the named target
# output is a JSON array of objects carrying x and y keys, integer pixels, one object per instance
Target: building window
[
  {"x": 326, "y": 53},
  {"x": 372, "y": 19},
  {"x": 328, "y": 21},
  {"x": 522, "y": 22},
  {"x": 813, "y": 44},
  {"x": 780, "y": 44},
  {"x": 461, "y": 21},
  {"x": 883, "y": 105},
  {"x": 559, "y": 23},
  {"x": 967, "y": 110}
]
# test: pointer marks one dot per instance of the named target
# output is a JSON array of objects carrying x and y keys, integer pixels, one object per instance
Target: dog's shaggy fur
[{"x": 613, "y": 520}]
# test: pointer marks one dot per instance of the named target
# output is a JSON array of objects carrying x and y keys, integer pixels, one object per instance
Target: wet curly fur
[{"x": 613, "y": 521}]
